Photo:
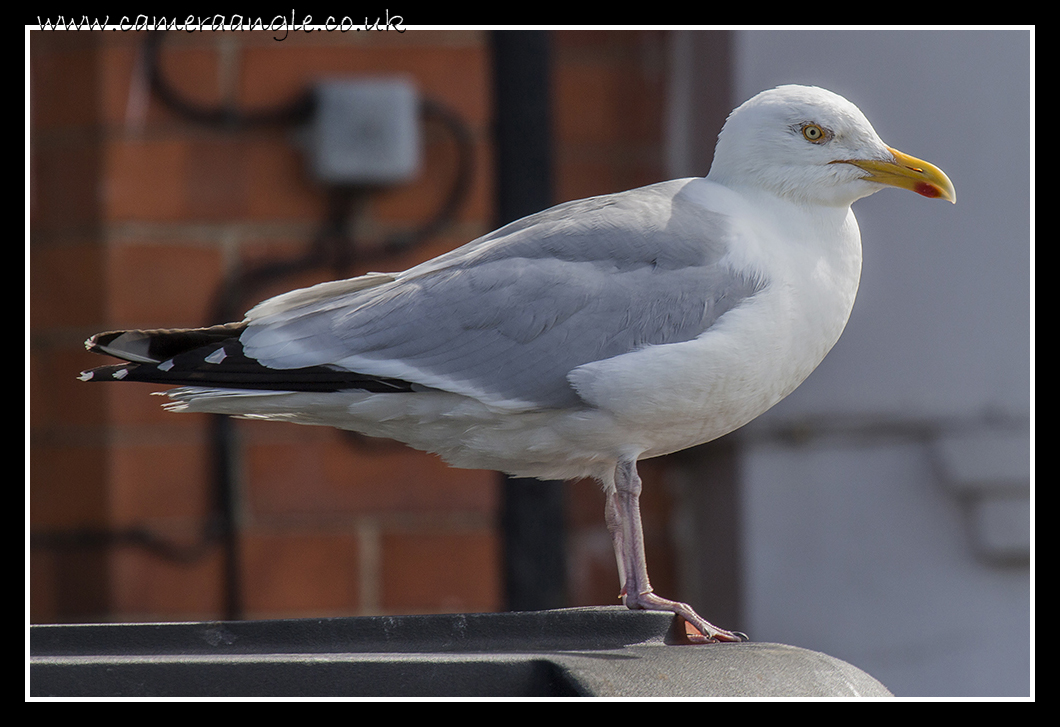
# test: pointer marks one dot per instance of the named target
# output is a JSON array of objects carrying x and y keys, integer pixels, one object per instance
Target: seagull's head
[{"x": 811, "y": 145}]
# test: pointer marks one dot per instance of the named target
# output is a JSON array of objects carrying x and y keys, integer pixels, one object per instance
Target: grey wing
[{"x": 506, "y": 318}]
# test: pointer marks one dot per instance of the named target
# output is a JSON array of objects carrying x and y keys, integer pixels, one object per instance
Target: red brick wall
[{"x": 135, "y": 221}]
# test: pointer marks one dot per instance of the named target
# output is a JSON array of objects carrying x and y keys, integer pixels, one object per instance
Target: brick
[
  {"x": 595, "y": 92},
  {"x": 170, "y": 480},
  {"x": 65, "y": 184},
  {"x": 145, "y": 180},
  {"x": 440, "y": 572},
  {"x": 67, "y": 486},
  {"x": 69, "y": 586},
  {"x": 58, "y": 399},
  {"x": 613, "y": 108},
  {"x": 292, "y": 573},
  {"x": 278, "y": 185},
  {"x": 283, "y": 251},
  {"x": 589, "y": 172},
  {"x": 191, "y": 71},
  {"x": 146, "y": 587},
  {"x": 66, "y": 285},
  {"x": 135, "y": 405},
  {"x": 217, "y": 179},
  {"x": 317, "y": 472},
  {"x": 160, "y": 285},
  {"x": 422, "y": 198},
  {"x": 603, "y": 42},
  {"x": 67, "y": 68},
  {"x": 44, "y": 587},
  {"x": 429, "y": 249}
]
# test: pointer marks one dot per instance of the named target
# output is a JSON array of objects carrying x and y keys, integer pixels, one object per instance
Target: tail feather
[{"x": 214, "y": 357}]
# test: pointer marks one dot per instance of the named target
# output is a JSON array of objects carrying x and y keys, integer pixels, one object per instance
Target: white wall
[{"x": 886, "y": 504}]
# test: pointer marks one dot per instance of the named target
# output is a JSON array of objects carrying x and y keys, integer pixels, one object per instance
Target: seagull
[{"x": 581, "y": 339}]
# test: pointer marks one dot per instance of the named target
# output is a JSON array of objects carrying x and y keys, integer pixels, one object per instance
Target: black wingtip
[
  {"x": 225, "y": 365},
  {"x": 156, "y": 345},
  {"x": 96, "y": 342}
]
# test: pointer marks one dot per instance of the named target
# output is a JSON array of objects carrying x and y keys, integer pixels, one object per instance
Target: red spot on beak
[{"x": 926, "y": 190}]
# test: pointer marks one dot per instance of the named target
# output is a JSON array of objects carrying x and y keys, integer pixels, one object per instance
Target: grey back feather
[{"x": 508, "y": 316}]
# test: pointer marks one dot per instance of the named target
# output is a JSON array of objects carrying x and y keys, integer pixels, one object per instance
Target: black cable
[
  {"x": 91, "y": 538},
  {"x": 296, "y": 111}
]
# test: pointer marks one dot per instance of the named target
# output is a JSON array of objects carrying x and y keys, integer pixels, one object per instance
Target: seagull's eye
[{"x": 814, "y": 133}]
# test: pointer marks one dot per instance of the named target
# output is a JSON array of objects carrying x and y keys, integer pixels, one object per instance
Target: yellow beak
[{"x": 909, "y": 173}]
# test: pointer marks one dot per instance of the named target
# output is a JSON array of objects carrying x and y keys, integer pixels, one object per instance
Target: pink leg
[{"x": 622, "y": 514}]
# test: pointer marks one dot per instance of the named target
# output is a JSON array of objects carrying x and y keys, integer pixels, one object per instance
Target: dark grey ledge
[{"x": 603, "y": 652}]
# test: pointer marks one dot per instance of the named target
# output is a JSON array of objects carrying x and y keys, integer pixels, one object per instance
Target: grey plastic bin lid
[{"x": 602, "y": 652}]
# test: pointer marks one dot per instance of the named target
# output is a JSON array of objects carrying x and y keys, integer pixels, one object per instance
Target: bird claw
[
  {"x": 697, "y": 630},
  {"x": 696, "y": 636}
]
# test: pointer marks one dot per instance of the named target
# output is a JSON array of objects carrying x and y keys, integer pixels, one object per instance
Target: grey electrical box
[{"x": 365, "y": 132}]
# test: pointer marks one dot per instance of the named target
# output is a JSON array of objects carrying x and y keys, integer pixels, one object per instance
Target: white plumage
[{"x": 584, "y": 338}]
